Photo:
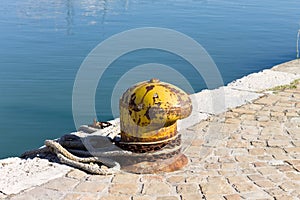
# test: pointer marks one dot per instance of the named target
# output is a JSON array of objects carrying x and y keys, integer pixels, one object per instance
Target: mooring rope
[
  {"x": 91, "y": 164},
  {"x": 84, "y": 163},
  {"x": 71, "y": 149}
]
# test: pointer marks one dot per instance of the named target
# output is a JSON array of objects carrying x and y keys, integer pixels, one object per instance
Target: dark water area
[{"x": 43, "y": 44}]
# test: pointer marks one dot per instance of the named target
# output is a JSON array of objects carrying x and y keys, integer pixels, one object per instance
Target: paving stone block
[
  {"x": 285, "y": 168},
  {"x": 216, "y": 186},
  {"x": 212, "y": 166},
  {"x": 293, "y": 175},
  {"x": 260, "y": 164},
  {"x": 156, "y": 188},
  {"x": 256, "y": 177},
  {"x": 239, "y": 151},
  {"x": 89, "y": 197},
  {"x": 249, "y": 170},
  {"x": 285, "y": 197},
  {"x": 196, "y": 179},
  {"x": 2, "y": 196},
  {"x": 276, "y": 152},
  {"x": 229, "y": 166},
  {"x": 188, "y": 188},
  {"x": 77, "y": 174},
  {"x": 242, "y": 186},
  {"x": 191, "y": 196},
  {"x": 115, "y": 197},
  {"x": 248, "y": 117},
  {"x": 259, "y": 143},
  {"x": 71, "y": 196},
  {"x": 230, "y": 127},
  {"x": 176, "y": 179},
  {"x": 100, "y": 178},
  {"x": 293, "y": 162},
  {"x": 250, "y": 122},
  {"x": 245, "y": 159},
  {"x": 124, "y": 188},
  {"x": 168, "y": 198},
  {"x": 232, "y": 120},
  {"x": 267, "y": 100},
  {"x": 279, "y": 143},
  {"x": 222, "y": 152},
  {"x": 143, "y": 198},
  {"x": 274, "y": 124},
  {"x": 262, "y": 118},
  {"x": 233, "y": 197},
  {"x": 265, "y": 184},
  {"x": 237, "y": 144},
  {"x": 266, "y": 157},
  {"x": 242, "y": 110},
  {"x": 90, "y": 186},
  {"x": 257, "y": 151},
  {"x": 292, "y": 150},
  {"x": 125, "y": 178},
  {"x": 290, "y": 185},
  {"x": 267, "y": 170},
  {"x": 272, "y": 130},
  {"x": 39, "y": 193},
  {"x": 276, "y": 178},
  {"x": 152, "y": 177},
  {"x": 275, "y": 191},
  {"x": 226, "y": 173},
  {"x": 255, "y": 195},
  {"x": 213, "y": 197},
  {"x": 61, "y": 184}
]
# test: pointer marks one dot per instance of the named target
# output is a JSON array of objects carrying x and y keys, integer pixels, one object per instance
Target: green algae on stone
[{"x": 292, "y": 85}]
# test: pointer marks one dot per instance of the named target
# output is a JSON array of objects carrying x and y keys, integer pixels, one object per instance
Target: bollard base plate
[{"x": 159, "y": 166}]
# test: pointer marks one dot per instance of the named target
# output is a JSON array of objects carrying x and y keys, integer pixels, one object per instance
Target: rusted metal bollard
[{"x": 148, "y": 115}]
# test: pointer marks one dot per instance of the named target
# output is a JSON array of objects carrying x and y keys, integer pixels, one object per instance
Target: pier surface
[{"x": 249, "y": 148}]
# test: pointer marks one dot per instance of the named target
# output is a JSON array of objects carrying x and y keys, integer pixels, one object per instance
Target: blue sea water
[{"x": 43, "y": 43}]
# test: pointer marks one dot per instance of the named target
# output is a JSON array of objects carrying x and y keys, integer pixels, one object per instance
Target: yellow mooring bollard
[{"x": 148, "y": 115}]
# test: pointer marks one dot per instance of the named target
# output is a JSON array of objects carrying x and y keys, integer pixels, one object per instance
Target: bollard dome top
[{"x": 151, "y": 105}]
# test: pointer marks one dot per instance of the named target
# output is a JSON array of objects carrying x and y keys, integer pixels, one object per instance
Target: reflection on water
[
  {"x": 94, "y": 7},
  {"x": 69, "y": 18},
  {"x": 66, "y": 10},
  {"x": 42, "y": 9}
]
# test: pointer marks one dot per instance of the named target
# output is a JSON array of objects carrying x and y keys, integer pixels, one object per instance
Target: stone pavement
[{"x": 248, "y": 152}]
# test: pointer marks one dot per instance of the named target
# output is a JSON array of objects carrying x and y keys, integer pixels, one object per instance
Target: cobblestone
[
  {"x": 90, "y": 186},
  {"x": 156, "y": 188},
  {"x": 117, "y": 197},
  {"x": 77, "y": 174},
  {"x": 89, "y": 196},
  {"x": 233, "y": 197},
  {"x": 71, "y": 196},
  {"x": 249, "y": 152},
  {"x": 176, "y": 179},
  {"x": 187, "y": 188},
  {"x": 39, "y": 193},
  {"x": 61, "y": 184},
  {"x": 191, "y": 196},
  {"x": 124, "y": 188},
  {"x": 168, "y": 198},
  {"x": 217, "y": 185},
  {"x": 144, "y": 197},
  {"x": 2, "y": 196}
]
